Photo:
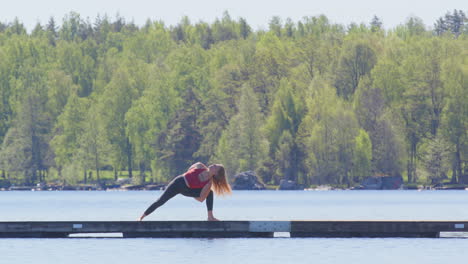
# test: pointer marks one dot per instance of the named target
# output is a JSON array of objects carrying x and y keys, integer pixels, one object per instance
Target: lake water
[{"x": 242, "y": 205}]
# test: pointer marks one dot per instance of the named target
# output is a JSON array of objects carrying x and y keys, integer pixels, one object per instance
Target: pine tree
[
  {"x": 281, "y": 128},
  {"x": 242, "y": 146},
  {"x": 376, "y": 24}
]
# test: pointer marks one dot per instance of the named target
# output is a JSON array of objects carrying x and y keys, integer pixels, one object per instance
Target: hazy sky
[{"x": 257, "y": 12}]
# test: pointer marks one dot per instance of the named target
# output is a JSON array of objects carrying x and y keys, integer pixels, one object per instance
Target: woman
[{"x": 196, "y": 182}]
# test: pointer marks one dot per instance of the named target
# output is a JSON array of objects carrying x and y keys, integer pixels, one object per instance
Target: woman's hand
[{"x": 141, "y": 217}]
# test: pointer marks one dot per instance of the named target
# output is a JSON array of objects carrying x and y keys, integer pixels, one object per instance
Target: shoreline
[{"x": 157, "y": 187}]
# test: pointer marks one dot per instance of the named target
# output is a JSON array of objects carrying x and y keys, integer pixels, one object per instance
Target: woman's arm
[
  {"x": 198, "y": 165},
  {"x": 204, "y": 192}
]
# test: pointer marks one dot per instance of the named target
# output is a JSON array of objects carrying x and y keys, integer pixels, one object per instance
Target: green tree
[
  {"x": 424, "y": 97},
  {"x": 224, "y": 29},
  {"x": 415, "y": 113},
  {"x": 242, "y": 147},
  {"x": 357, "y": 60},
  {"x": 74, "y": 28},
  {"x": 25, "y": 145},
  {"x": 182, "y": 138},
  {"x": 77, "y": 63},
  {"x": 67, "y": 131},
  {"x": 147, "y": 119},
  {"x": 16, "y": 28},
  {"x": 276, "y": 26},
  {"x": 281, "y": 128},
  {"x": 244, "y": 28},
  {"x": 93, "y": 144},
  {"x": 60, "y": 87},
  {"x": 204, "y": 35},
  {"x": 115, "y": 101},
  {"x": 270, "y": 66},
  {"x": 51, "y": 31},
  {"x": 373, "y": 115},
  {"x": 286, "y": 158},
  {"x": 433, "y": 57},
  {"x": 451, "y": 22},
  {"x": 362, "y": 157},
  {"x": 376, "y": 24},
  {"x": 414, "y": 26},
  {"x": 327, "y": 135},
  {"x": 317, "y": 54},
  {"x": 455, "y": 117},
  {"x": 436, "y": 159},
  {"x": 6, "y": 110},
  {"x": 152, "y": 46}
]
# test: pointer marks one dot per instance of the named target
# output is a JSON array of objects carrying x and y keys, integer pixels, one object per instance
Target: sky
[{"x": 258, "y": 13}]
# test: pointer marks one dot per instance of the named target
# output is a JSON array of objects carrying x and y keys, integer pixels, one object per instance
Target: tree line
[{"x": 310, "y": 101}]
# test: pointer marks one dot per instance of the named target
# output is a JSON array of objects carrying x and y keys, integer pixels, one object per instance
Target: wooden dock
[{"x": 231, "y": 229}]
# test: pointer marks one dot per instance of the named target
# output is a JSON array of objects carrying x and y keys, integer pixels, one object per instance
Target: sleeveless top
[{"x": 192, "y": 178}]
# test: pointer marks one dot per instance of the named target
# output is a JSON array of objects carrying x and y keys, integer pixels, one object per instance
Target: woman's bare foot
[{"x": 212, "y": 219}]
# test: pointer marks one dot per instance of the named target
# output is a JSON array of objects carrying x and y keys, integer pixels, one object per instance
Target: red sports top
[{"x": 192, "y": 178}]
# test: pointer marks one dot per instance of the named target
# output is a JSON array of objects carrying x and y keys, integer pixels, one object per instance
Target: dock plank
[{"x": 131, "y": 229}]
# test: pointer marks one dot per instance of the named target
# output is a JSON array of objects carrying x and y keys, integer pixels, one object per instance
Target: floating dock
[{"x": 231, "y": 229}]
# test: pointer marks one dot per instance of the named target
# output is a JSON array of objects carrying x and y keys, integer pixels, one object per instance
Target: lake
[{"x": 242, "y": 205}]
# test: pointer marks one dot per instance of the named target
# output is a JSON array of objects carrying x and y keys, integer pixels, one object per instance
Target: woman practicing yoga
[{"x": 197, "y": 183}]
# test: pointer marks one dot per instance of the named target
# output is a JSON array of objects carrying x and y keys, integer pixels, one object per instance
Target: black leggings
[{"x": 175, "y": 187}]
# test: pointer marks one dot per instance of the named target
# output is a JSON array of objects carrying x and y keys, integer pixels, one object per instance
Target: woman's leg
[
  {"x": 175, "y": 187},
  {"x": 209, "y": 201},
  {"x": 209, "y": 206}
]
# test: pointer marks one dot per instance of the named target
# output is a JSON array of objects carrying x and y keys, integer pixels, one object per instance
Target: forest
[{"x": 309, "y": 101}]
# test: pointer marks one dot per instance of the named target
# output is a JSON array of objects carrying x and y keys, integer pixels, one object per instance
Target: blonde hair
[{"x": 220, "y": 184}]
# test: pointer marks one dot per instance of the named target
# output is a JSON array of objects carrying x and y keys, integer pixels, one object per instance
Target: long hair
[{"x": 220, "y": 183}]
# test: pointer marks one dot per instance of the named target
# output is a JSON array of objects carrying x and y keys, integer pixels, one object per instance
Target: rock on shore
[
  {"x": 247, "y": 181},
  {"x": 381, "y": 183},
  {"x": 290, "y": 185}
]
